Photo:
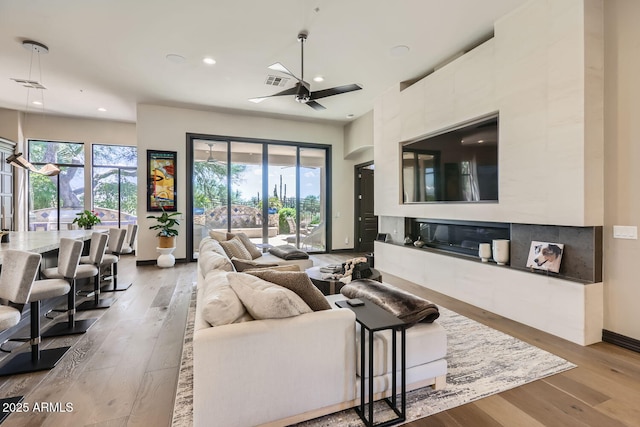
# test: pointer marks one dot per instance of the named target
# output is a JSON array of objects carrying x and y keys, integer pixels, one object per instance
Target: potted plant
[
  {"x": 166, "y": 233},
  {"x": 86, "y": 219}
]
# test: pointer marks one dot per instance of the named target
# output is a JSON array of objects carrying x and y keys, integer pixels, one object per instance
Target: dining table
[{"x": 41, "y": 242}]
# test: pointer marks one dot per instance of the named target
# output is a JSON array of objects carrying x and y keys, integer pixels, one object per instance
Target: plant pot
[{"x": 166, "y": 242}]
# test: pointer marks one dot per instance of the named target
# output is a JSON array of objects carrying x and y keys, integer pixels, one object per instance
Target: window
[
  {"x": 55, "y": 200},
  {"x": 275, "y": 192},
  {"x": 114, "y": 184}
]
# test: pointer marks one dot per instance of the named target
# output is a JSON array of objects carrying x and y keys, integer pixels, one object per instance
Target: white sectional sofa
[{"x": 281, "y": 371}]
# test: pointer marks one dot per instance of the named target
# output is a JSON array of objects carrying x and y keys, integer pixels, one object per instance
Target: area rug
[{"x": 481, "y": 361}]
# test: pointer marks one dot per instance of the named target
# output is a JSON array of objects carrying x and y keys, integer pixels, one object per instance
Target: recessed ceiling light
[
  {"x": 175, "y": 58},
  {"x": 318, "y": 79},
  {"x": 399, "y": 50},
  {"x": 37, "y": 102},
  {"x": 102, "y": 109},
  {"x": 349, "y": 116},
  {"x": 208, "y": 60}
]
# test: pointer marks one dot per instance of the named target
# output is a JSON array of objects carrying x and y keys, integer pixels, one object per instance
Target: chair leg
[
  {"x": 114, "y": 276},
  {"x": 72, "y": 326},
  {"x": 97, "y": 303},
  {"x": 36, "y": 360}
]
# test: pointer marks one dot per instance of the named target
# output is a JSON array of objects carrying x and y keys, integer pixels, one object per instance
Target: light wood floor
[{"x": 123, "y": 372}]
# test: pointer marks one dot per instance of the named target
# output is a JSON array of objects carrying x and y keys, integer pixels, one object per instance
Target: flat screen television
[{"x": 457, "y": 165}]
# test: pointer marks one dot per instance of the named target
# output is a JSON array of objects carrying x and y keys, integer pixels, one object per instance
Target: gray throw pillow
[
  {"x": 235, "y": 248},
  {"x": 246, "y": 264},
  {"x": 298, "y": 282},
  {"x": 251, "y": 247}
]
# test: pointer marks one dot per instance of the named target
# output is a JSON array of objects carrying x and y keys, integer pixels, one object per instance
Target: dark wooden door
[{"x": 367, "y": 229}]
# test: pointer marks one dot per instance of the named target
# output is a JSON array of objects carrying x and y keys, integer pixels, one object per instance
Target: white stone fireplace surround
[{"x": 542, "y": 72}]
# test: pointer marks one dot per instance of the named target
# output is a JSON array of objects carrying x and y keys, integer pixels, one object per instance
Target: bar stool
[
  {"x": 18, "y": 268},
  {"x": 130, "y": 239},
  {"x": 64, "y": 271},
  {"x": 91, "y": 265},
  {"x": 16, "y": 285},
  {"x": 115, "y": 235},
  {"x": 111, "y": 258}
]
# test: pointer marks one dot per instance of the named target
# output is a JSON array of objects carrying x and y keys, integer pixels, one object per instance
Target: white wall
[
  {"x": 535, "y": 73},
  {"x": 9, "y": 124},
  {"x": 622, "y": 178},
  {"x": 358, "y": 135},
  {"x": 165, "y": 128}
]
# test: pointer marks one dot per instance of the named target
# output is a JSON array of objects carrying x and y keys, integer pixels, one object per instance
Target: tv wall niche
[{"x": 459, "y": 164}]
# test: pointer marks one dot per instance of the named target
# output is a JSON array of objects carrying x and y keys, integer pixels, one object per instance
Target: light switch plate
[{"x": 625, "y": 232}]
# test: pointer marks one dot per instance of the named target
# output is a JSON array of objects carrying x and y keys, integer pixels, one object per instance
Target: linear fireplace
[{"x": 462, "y": 237}]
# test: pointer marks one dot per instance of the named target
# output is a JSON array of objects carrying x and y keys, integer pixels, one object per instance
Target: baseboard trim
[
  {"x": 154, "y": 261},
  {"x": 621, "y": 340}
]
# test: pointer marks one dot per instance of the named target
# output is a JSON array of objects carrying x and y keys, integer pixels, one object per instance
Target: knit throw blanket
[{"x": 407, "y": 307}]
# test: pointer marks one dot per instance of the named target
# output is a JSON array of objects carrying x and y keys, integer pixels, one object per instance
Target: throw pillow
[
  {"x": 299, "y": 283},
  {"x": 235, "y": 248},
  {"x": 285, "y": 267},
  {"x": 220, "y": 236},
  {"x": 251, "y": 247},
  {"x": 246, "y": 264},
  {"x": 221, "y": 305},
  {"x": 266, "y": 300}
]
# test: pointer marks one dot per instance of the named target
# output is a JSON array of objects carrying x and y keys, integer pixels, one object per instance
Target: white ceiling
[{"x": 112, "y": 53}]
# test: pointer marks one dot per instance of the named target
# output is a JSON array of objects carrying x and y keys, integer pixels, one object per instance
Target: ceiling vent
[
  {"x": 276, "y": 81},
  {"x": 31, "y": 84}
]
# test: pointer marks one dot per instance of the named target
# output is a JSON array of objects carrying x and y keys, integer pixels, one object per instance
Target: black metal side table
[{"x": 373, "y": 318}]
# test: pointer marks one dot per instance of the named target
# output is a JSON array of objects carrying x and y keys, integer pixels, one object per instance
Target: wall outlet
[
  {"x": 625, "y": 232},
  {"x": 346, "y": 240}
]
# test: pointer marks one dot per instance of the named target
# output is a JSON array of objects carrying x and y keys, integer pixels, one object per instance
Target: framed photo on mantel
[
  {"x": 161, "y": 181},
  {"x": 545, "y": 256}
]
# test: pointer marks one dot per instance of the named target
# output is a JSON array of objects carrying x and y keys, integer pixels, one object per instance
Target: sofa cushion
[
  {"x": 266, "y": 300},
  {"x": 220, "y": 304},
  {"x": 247, "y": 264},
  {"x": 404, "y": 305},
  {"x": 211, "y": 260},
  {"x": 251, "y": 247},
  {"x": 220, "y": 236},
  {"x": 235, "y": 248},
  {"x": 299, "y": 283}
]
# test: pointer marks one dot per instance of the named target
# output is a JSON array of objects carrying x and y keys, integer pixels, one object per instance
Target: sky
[{"x": 252, "y": 182}]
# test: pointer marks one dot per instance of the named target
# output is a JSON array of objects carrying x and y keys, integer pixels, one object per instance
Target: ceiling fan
[
  {"x": 302, "y": 89},
  {"x": 210, "y": 159}
]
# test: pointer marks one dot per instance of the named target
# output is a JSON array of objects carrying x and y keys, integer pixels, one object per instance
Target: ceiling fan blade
[
  {"x": 334, "y": 91},
  {"x": 282, "y": 69},
  {"x": 316, "y": 106},
  {"x": 290, "y": 91}
]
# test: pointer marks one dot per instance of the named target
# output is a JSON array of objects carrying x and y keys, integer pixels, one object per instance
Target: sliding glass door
[
  {"x": 312, "y": 195},
  {"x": 274, "y": 192}
]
